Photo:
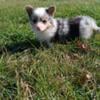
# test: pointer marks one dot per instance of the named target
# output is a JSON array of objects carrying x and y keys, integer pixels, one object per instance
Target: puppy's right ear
[
  {"x": 29, "y": 9},
  {"x": 51, "y": 10}
]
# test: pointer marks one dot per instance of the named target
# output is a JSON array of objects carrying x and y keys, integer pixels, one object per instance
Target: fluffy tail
[{"x": 97, "y": 29}]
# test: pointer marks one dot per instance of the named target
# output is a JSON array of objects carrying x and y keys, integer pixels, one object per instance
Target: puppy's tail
[{"x": 97, "y": 29}]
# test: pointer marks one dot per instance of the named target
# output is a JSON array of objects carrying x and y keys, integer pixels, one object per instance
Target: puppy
[{"x": 49, "y": 29}]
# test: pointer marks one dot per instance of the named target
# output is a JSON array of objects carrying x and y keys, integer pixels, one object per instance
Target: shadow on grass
[{"x": 20, "y": 46}]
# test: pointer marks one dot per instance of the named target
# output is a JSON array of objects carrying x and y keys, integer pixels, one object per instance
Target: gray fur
[{"x": 80, "y": 26}]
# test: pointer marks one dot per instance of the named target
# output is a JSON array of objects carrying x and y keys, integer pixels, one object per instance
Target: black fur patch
[
  {"x": 74, "y": 28},
  {"x": 73, "y": 32}
]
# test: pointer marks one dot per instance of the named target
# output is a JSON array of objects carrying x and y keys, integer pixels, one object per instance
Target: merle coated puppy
[{"x": 49, "y": 29}]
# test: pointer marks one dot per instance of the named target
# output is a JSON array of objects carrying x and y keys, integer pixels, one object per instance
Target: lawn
[{"x": 63, "y": 72}]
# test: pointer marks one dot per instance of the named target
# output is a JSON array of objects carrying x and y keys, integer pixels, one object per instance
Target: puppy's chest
[{"x": 45, "y": 36}]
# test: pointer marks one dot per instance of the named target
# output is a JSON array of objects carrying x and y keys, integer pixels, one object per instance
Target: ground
[{"x": 63, "y": 72}]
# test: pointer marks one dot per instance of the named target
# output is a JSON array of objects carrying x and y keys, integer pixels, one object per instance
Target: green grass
[{"x": 58, "y": 73}]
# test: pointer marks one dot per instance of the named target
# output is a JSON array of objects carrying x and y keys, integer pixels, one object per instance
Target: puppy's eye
[
  {"x": 34, "y": 21},
  {"x": 44, "y": 21}
]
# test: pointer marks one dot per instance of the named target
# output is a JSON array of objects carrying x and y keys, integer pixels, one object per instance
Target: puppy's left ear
[
  {"x": 29, "y": 9},
  {"x": 51, "y": 10}
]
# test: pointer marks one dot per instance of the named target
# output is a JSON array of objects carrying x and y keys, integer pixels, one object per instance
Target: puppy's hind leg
[{"x": 87, "y": 27}]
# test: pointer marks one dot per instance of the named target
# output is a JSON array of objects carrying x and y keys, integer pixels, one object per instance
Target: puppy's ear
[
  {"x": 29, "y": 9},
  {"x": 51, "y": 10}
]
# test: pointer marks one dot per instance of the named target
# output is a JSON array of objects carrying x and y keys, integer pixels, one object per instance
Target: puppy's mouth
[{"x": 42, "y": 30}]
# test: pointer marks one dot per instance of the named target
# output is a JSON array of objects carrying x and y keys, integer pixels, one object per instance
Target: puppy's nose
[{"x": 40, "y": 26}]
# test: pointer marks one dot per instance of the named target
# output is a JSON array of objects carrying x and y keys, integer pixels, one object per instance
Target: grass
[{"x": 58, "y": 73}]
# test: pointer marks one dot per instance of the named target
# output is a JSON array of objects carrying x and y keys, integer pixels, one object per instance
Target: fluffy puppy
[{"x": 49, "y": 29}]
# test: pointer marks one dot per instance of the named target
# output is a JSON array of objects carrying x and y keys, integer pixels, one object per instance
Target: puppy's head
[{"x": 40, "y": 18}]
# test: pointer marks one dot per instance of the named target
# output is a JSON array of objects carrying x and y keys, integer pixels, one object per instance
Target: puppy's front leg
[{"x": 49, "y": 44}]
